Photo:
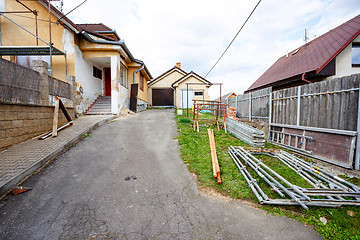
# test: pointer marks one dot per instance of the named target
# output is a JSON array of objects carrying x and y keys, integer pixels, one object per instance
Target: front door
[
  {"x": 186, "y": 98},
  {"x": 107, "y": 82}
]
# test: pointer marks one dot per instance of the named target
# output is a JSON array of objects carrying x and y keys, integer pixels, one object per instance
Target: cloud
[{"x": 196, "y": 32}]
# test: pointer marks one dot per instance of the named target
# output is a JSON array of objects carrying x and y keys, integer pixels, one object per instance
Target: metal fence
[{"x": 319, "y": 119}]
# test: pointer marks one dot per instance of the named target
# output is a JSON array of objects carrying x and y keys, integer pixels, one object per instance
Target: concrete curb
[{"x": 4, "y": 189}]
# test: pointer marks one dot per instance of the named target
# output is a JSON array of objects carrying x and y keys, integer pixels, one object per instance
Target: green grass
[{"x": 195, "y": 151}]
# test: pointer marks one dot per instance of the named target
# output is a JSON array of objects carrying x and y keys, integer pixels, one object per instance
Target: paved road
[{"x": 127, "y": 181}]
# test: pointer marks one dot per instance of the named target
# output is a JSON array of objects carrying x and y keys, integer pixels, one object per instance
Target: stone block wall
[
  {"x": 19, "y": 123},
  {"x": 26, "y": 98}
]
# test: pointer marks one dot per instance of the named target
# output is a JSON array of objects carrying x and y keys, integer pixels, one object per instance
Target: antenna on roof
[{"x": 306, "y": 37}]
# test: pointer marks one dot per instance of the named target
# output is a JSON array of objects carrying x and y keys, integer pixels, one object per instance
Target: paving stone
[{"x": 15, "y": 161}]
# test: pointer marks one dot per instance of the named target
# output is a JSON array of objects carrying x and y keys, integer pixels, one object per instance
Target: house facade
[
  {"x": 332, "y": 55},
  {"x": 177, "y": 88},
  {"x": 93, "y": 53}
]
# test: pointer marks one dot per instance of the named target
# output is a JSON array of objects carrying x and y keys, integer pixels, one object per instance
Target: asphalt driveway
[{"x": 127, "y": 181}]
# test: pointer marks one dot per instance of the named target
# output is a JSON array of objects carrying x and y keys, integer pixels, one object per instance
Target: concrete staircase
[{"x": 101, "y": 106}]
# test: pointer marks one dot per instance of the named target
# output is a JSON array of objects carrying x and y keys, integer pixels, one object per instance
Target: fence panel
[{"x": 328, "y": 108}]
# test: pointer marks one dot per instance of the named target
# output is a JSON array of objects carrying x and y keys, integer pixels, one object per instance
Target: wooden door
[{"x": 107, "y": 81}]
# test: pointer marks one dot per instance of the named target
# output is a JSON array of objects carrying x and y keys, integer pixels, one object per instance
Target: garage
[{"x": 163, "y": 97}]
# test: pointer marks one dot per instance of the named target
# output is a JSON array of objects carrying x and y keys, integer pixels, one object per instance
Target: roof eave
[{"x": 338, "y": 52}]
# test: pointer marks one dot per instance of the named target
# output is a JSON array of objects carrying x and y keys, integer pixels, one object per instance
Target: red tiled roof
[
  {"x": 313, "y": 56},
  {"x": 94, "y": 27}
]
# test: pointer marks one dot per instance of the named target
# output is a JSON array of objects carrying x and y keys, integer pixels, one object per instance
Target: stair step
[{"x": 101, "y": 106}]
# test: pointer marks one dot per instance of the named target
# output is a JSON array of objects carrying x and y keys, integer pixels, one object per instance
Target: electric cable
[
  {"x": 72, "y": 10},
  {"x": 234, "y": 38},
  {"x": 33, "y": 18}
]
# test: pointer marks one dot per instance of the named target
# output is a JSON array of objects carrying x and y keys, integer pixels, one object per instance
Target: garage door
[{"x": 163, "y": 97}]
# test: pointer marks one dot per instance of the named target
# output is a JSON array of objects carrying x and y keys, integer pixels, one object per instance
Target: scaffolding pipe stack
[
  {"x": 246, "y": 133},
  {"x": 328, "y": 191}
]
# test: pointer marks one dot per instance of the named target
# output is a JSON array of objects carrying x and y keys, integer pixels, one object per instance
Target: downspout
[
  {"x": 142, "y": 67},
  {"x": 303, "y": 78},
  {"x": 172, "y": 87}
]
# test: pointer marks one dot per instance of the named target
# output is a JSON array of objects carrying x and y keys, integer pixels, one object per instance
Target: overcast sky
[{"x": 196, "y": 32}]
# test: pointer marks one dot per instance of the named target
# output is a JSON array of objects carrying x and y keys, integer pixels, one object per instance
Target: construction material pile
[
  {"x": 246, "y": 133},
  {"x": 215, "y": 163},
  {"x": 328, "y": 190},
  {"x": 231, "y": 113}
]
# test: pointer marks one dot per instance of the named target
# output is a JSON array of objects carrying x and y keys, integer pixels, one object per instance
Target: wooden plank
[
  {"x": 293, "y": 106},
  {"x": 329, "y": 104},
  {"x": 343, "y": 105},
  {"x": 48, "y": 134},
  {"x": 315, "y": 106},
  {"x": 353, "y": 103},
  {"x": 322, "y": 105},
  {"x": 276, "y": 107},
  {"x": 215, "y": 163},
  {"x": 65, "y": 111},
  {"x": 337, "y": 105},
  {"x": 56, "y": 117},
  {"x": 306, "y": 115}
]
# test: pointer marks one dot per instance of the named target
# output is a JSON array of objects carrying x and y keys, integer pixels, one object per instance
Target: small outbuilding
[{"x": 177, "y": 88}]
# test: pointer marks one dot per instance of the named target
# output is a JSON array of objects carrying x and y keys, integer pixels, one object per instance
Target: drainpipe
[
  {"x": 142, "y": 67},
  {"x": 303, "y": 78},
  {"x": 172, "y": 87}
]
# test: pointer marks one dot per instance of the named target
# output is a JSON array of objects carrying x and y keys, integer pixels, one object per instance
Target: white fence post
[
  {"x": 298, "y": 106},
  {"x": 357, "y": 155},
  {"x": 249, "y": 106}
]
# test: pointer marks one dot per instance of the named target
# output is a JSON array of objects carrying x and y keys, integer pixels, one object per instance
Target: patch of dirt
[{"x": 125, "y": 112}]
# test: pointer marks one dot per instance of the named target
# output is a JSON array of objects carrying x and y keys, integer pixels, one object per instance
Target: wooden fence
[{"x": 326, "y": 108}]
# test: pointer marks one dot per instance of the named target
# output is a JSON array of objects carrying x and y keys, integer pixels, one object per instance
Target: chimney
[{"x": 178, "y": 65}]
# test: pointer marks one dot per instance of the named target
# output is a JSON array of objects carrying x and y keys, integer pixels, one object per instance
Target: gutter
[
  {"x": 120, "y": 43},
  {"x": 142, "y": 67}
]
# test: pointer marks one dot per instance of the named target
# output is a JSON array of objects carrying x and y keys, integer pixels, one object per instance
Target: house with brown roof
[
  {"x": 103, "y": 66},
  {"x": 331, "y": 55},
  {"x": 177, "y": 88}
]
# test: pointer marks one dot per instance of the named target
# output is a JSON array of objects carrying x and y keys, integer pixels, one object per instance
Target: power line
[
  {"x": 233, "y": 38},
  {"x": 33, "y": 18},
  {"x": 72, "y": 10}
]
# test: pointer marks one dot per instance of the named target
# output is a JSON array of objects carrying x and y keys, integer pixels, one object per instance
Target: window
[
  {"x": 124, "y": 76},
  {"x": 141, "y": 82},
  {"x": 355, "y": 60},
  {"x": 26, "y": 61},
  {"x": 198, "y": 93},
  {"x": 97, "y": 72}
]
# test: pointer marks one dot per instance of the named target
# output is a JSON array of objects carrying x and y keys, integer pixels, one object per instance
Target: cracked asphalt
[{"x": 127, "y": 181}]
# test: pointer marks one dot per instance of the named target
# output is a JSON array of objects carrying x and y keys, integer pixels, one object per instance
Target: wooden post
[
  {"x": 187, "y": 100},
  {"x": 197, "y": 117},
  {"x": 56, "y": 117}
]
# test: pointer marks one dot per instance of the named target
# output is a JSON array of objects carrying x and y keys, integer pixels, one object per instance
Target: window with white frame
[{"x": 124, "y": 75}]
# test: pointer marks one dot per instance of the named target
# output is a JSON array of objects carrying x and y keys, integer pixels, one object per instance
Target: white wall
[
  {"x": 2, "y": 5},
  {"x": 343, "y": 62},
  {"x": 92, "y": 87}
]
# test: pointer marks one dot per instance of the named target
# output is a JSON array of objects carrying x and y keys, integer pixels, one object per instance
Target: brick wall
[{"x": 21, "y": 122}]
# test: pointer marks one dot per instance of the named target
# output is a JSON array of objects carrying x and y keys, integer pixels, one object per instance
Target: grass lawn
[{"x": 342, "y": 223}]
